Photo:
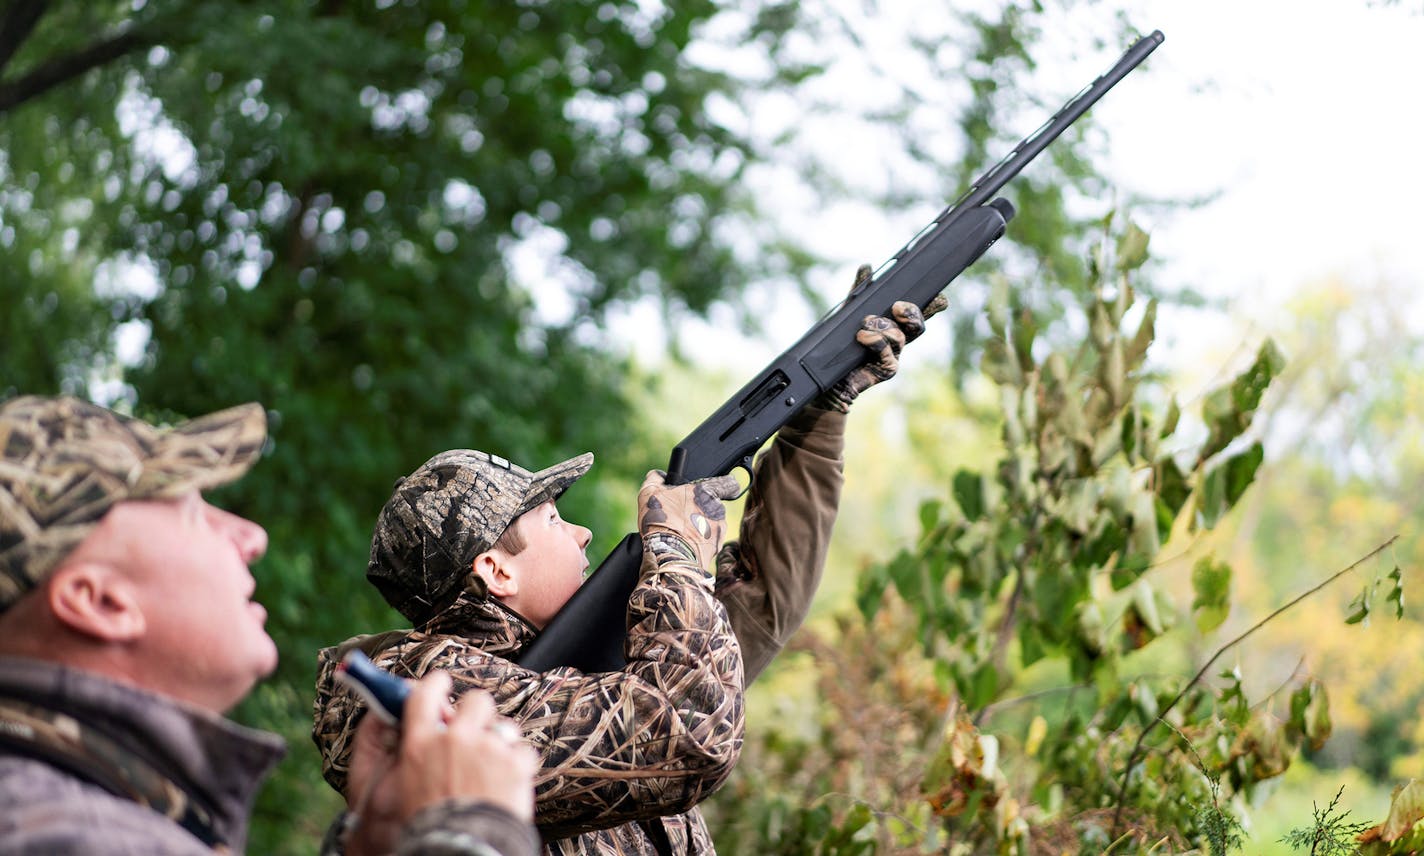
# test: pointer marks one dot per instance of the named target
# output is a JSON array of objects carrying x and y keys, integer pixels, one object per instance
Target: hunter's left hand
[{"x": 884, "y": 338}]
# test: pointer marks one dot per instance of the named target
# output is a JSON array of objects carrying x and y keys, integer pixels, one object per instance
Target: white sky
[
  {"x": 1307, "y": 117},
  {"x": 1312, "y": 131}
]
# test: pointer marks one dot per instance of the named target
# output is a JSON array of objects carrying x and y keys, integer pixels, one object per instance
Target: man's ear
[
  {"x": 96, "y": 601},
  {"x": 492, "y": 567}
]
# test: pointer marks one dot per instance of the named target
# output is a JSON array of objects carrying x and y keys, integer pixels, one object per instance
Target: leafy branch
[{"x": 1137, "y": 747}]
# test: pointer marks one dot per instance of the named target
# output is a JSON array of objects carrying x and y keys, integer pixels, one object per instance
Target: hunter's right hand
[
  {"x": 441, "y": 754},
  {"x": 692, "y": 513}
]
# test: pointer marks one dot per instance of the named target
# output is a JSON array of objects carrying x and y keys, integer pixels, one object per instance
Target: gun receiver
[{"x": 588, "y": 633}]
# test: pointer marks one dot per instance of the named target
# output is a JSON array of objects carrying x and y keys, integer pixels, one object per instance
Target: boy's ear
[
  {"x": 96, "y": 601},
  {"x": 491, "y": 567}
]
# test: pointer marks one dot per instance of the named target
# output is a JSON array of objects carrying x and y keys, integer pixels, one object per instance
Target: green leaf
[
  {"x": 871, "y": 591},
  {"x": 1031, "y": 644},
  {"x": 1144, "y": 700},
  {"x": 984, "y": 687},
  {"x": 929, "y": 513},
  {"x": 1171, "y": 485},
  {"x": 1169, "y": 422},
  {"x": 1310, "y": 713},
  {"x": 1228, "y": 410},
  {"x": 1396, "y": 592},
  {"x": 1211, "y": 588},
  {"x": 969, "y": 494},
  {"x": 1024, "y": 331},
  {"x": 1241, "y": 471},
  {"x": 1231, "y": 700},
  {"x": 1406, "y": 810},
  {"x": 1226, "y": 483},
  {"x": 1113, "y": 372},
  {"x": 1211, "y": 504},
  {"x": 1091, "y": 628},
  {"x": 1000, "y": 364},
  {"x": 1100, "y": 325},
  {"x": 1142, "y": 340},
  {"x": 1360, "y": 606},
  {"x": 1140, "y": 622},
  {"x": 1132, "y": 248}
]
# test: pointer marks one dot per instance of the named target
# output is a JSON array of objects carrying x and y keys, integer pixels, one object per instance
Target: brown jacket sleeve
[{"x": 768, "y": 577}]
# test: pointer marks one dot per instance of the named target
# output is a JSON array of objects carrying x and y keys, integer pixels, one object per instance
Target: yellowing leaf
[{"x": 1132, "y": 248}]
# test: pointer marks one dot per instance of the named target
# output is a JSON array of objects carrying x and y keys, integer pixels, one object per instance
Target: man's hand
[
  {"x": 883, "y": 338},
  {"x": 440, "y": 753},
  {"x": 691, "y": 512}
]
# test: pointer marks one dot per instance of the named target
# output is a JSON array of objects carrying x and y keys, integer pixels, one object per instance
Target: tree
[
  {"x": 403, "y": 226},
  {"x": 398, "y": 225},
  {"x": 1047, "y": 709}
]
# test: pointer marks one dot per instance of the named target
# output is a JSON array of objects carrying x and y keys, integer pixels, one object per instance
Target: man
[
  {"x": 127, "y": 629},
  {"x": 472, "y": 550}
]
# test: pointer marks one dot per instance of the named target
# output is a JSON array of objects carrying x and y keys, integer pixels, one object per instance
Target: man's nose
[{"x": 251, "y": 539}]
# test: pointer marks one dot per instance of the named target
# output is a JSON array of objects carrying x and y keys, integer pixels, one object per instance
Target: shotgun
[{"x": 588, "y": 633}]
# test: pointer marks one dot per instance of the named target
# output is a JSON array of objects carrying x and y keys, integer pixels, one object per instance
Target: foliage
[
  {"x": 403, "y": 227},
  {"x": 400, "y": 226},
  {"x": 1042, "y": 562},
  {"x": 1344, "y": 467},
  {"x": 1402, "y": 832},
  {"x": 1330, "y": 835}
]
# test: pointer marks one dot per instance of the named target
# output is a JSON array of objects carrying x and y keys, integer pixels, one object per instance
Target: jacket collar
[
  {"x": 218, "y": 762},
  {"x": 495, "y": 628}
]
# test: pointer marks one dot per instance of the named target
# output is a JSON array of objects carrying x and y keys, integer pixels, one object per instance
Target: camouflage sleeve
[
  {"x": 768, "y": 577},
  {"x": 462, "y": 828},
  {"x": 654, "y": 739},
  {"x": 451, "y": 828}
]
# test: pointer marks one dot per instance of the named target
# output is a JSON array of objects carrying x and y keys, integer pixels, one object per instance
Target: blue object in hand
[{"x": 384, "y": 693}]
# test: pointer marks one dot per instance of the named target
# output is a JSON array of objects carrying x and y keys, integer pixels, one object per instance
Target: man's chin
[{"x": 268, "y": 663}]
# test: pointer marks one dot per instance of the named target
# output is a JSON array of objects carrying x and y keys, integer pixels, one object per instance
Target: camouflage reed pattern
[
  {"x": 619, "y": 752},
  {"x": 65, "y": 462}
]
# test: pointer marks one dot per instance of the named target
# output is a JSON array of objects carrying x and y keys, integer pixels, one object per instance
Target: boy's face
[{"x": 550, "y": 568}]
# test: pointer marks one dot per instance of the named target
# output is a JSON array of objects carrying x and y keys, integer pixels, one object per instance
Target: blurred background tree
[
  {"x": 410, "y": 226},
  {"x": 397, "y": 225}
]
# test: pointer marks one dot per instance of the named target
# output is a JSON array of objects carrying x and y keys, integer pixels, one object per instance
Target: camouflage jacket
[
  {"x": 211, "y": 766},
  {"x": 626, "y": 756}
]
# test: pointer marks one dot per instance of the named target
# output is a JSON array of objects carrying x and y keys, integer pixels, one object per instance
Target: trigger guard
[{"x": 746, "y": 467}]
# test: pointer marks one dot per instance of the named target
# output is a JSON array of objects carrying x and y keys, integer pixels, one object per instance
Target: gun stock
[{"x": 588, "y": 633}]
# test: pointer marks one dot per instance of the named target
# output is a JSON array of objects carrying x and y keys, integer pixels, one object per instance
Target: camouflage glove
[
  {"x": 685, "y": 522},
  {"x": 883, "y": 337}
]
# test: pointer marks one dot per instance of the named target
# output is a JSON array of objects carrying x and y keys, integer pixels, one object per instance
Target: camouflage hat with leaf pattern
[
  {"x": 452, "y": 508},
  {"x": 65, "y": 462}
]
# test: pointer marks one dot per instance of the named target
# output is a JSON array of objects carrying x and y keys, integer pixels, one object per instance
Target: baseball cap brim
[
  {"x": 549, "y": 484},
  {"x": 207, "y": 452}
]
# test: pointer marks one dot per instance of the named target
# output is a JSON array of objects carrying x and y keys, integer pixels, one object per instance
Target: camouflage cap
[
  {"x": 65, "y": 462},
  {"x": 447, "y": 512}
]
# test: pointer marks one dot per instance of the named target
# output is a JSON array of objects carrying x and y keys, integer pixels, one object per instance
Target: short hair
[{"x": 512, "y": 541}]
